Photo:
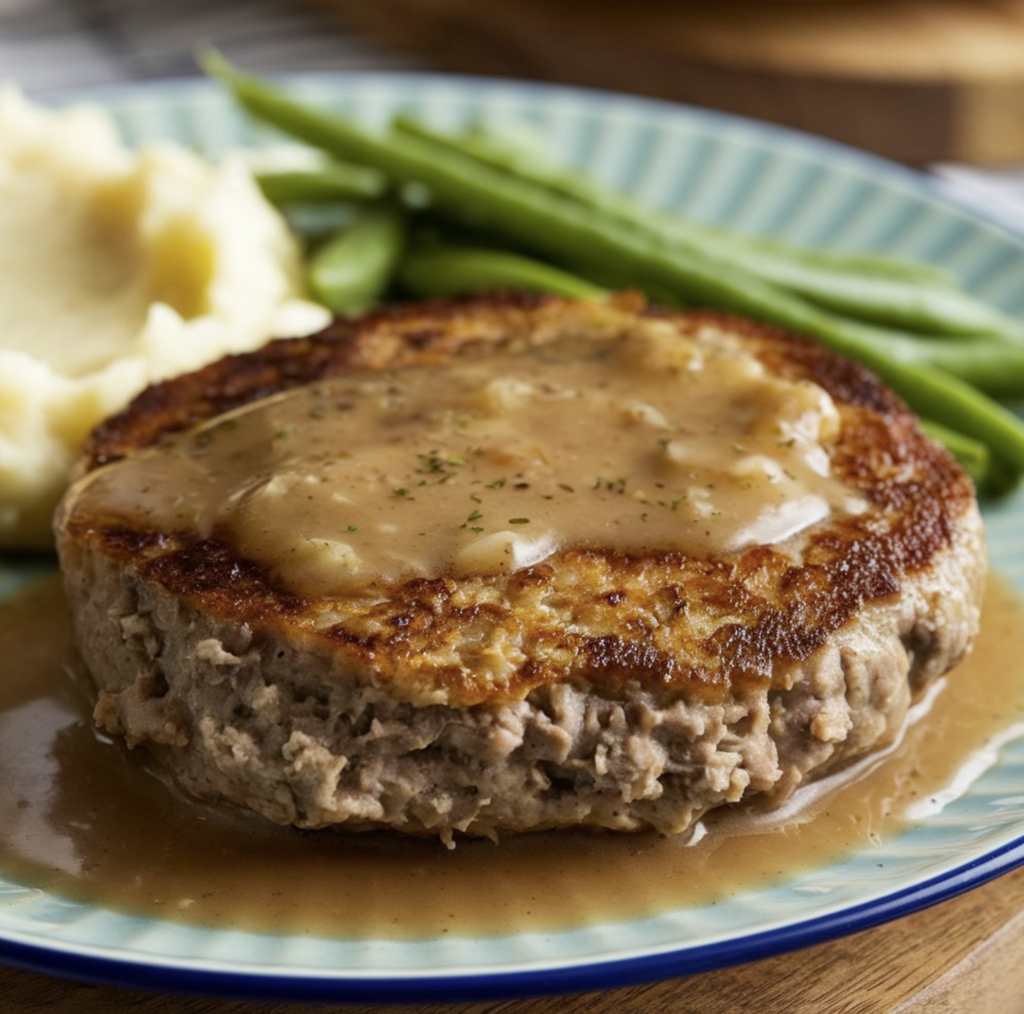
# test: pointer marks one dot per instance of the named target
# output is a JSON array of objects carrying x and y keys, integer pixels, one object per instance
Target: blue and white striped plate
[{"x": 716, "y": 168}]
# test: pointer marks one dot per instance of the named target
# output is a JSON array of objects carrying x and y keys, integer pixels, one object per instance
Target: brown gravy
[
  {"x": 82, "y": 817},
  {"x": 488, "y": 464}
]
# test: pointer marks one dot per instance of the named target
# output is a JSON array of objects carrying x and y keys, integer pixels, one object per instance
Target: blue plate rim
[{"x": 578, "y": 978}]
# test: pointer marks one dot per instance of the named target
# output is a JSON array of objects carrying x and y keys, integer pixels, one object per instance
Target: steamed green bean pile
[{"x": 430, "y": 213}]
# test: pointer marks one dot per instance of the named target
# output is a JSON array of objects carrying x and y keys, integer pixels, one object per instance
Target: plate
[{"x": 717, "y": 168}]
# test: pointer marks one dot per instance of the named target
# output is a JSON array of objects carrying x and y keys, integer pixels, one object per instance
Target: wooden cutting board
[
  {"x": 916, "y": 80},
  {"x": 961, "y": 956}
]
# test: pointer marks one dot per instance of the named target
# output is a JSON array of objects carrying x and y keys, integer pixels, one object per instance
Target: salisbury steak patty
[{"x": 588, "y": 686}]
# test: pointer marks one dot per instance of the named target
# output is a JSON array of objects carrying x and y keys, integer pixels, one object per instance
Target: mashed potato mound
[{"x": 117, "y": 268}]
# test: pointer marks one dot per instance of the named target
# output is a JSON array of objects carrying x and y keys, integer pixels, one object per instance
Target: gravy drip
[
  {"x": 83, "y": 817},
  {"x": 647, "y": 441}
]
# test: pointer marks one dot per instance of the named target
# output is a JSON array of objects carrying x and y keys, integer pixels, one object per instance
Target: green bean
[
  {"x": 972, "y": 454},
  {"x": 826, "y": 259},
  {"x": 914, "y": 305},
  {"x": 558, "y": 226},
  {"x": 564, "y": 230},
  {"x": 531, "y": 214},
  {"x": 329, "y": 183},
  {"x": 450, "y": 271},
  {"x": 351, "y": 271},
  {"x": 880, "y": 291},
  {"x": 613, "y": 279},
  {"x": 815, "y": 271},
  {"x": 561, "y": 227},
  {"x": 985, "y": 362}
]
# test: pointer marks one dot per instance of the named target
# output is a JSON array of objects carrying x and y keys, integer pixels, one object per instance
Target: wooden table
[
  {"x": 962, "y": 955},
  {"x": 917, "y": 80}
]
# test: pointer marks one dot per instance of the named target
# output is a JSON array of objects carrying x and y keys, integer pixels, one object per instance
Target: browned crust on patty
[{"x": 674, "y": 624}]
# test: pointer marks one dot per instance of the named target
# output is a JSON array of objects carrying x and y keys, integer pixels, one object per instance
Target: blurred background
[{"x": 934, "y": 83}]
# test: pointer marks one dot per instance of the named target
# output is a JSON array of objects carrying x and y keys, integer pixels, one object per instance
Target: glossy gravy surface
[
  {"x": 83, "y": 817},
  {"x": 650, "y": 439}
]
